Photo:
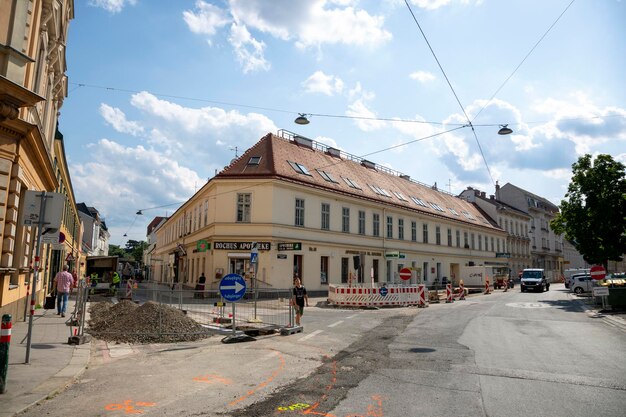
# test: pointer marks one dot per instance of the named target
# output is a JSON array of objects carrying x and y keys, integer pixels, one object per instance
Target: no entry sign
[
  {"x": 597, "y": 272},
  {"x": 405, "y": 274}
]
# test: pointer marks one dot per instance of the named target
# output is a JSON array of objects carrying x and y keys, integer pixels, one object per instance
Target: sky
[{"x": 164, "y": 94}]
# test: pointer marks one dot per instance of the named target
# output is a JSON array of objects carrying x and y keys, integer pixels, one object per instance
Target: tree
[
  {"x": 138, "y": 250},
  {"x": 115, "y": 250},
  {"x": 593, "y": 215}
]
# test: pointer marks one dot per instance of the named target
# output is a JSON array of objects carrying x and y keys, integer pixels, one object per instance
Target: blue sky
[{"x": 162, "y": 92}]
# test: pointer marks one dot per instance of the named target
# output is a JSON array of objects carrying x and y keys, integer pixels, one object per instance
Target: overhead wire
[
  {"x": 469, "y": 121},
  {"x": 524, "y": 59}
]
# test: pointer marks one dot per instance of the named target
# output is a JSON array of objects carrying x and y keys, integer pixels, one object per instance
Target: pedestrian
[
  {"x": 200, "y": 287},
  {"x": 300, "y": 299},
  {"x": 63, "y": 282}
]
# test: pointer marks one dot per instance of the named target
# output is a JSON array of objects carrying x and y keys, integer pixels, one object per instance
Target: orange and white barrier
[
  {"x": 367, "y": 296},
  {"x": 449, "y": 298},
  {"x": 421, "y": 296},
  {"x": 461, "y": 291},
  {"x": 487, "y": 288}
]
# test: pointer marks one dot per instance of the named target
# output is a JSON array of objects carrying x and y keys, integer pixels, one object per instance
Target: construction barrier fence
[{"x": 362, "y": 296}]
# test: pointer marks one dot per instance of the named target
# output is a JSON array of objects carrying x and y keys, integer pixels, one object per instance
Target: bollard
[
  {"x": 487, "y": 289},
  {"x": 462, "y": 291},
  {"x": 421, "y": 294},
  {"x": 5, "y": 341}
]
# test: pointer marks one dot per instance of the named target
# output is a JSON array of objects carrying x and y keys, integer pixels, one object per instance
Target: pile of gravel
[{"x": 127, "y": 322}]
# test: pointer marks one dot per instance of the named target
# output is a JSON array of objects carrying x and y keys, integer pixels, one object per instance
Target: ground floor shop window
[
  {"x": 324, "y": 269},
  {"x": 345, "y": 270}
]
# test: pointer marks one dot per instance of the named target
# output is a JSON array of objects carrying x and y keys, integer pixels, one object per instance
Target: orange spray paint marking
[
  {"x": 128, "y": 406},
  {"x": 376, "y": 410},
  {"x": 329, "y": 387},
  {"x": 213, "y": 378},
  {"x": 264, "y": 383}
]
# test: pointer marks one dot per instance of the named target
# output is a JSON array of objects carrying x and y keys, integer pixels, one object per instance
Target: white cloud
[
  {"x": 117, "y": 119},
  {"x": 249, "y": 51},
  {"x": 436, "y": 4},
  {"x": 319, "y": 82},
  {"x": 207, "y": 19},
  {"x": 113, "y": 6},
  {"x": 422, "y": 76}
]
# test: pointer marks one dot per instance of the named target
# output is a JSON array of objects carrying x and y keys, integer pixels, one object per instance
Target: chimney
[
  {"x": 497, "y": 191},
  {"x": 483, "y": 194},
  {"x": 492, "y": 197}
]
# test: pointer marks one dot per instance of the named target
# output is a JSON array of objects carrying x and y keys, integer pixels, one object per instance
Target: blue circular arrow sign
[
  {"x": 233, "y": 287},
  {"x": 383, "y": 291}
]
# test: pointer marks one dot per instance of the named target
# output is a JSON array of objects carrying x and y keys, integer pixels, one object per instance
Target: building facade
[
  {"x": 546, "y": 247},
  {"x": 515, "y": 222},
  {"x": 96, "y": 235},
  {"x": 323, "y": 215},
  {"x": 33, "y": 85}
]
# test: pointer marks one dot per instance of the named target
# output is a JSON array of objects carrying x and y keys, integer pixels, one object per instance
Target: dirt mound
[{"x": 127, "y": 322}]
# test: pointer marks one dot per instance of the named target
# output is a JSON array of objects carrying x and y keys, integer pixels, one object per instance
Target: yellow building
[
  {"x": 311, "y": 209},
  {"x": 33, "y": 85}
]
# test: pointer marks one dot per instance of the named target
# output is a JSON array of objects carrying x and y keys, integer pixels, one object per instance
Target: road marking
[
  {"x": 128, "y": 406},
  {"x": 264, "y": 383},
  {"x": 528, "y": 305},
  {"x": 310, "y": 335},
  {"x": 336, "y": 323},
  {"x": 352, "y": 316}
]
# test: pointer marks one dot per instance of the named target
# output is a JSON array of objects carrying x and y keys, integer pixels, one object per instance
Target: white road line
[
  {"x": 310, "y": 335},
  {"x": 336, "y": 323},
  {"x": 352, "y": 316}
]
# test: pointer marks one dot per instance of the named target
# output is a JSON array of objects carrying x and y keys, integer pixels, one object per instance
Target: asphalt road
[{"x": 505, "y": 354}]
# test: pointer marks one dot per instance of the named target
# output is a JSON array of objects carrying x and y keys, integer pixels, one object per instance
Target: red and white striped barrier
[
  {"x": 421, "y": 296},
  {"x": 449, "y": 298},
  {"x": 487, "y": 288},
  {"x": 367, "y": 296},
  {"x": 461, "y": 292}
]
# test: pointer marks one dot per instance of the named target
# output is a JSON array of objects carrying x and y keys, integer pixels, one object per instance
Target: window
[
  {"x": 325, "y": 216},
  {"x": 345, "y": 270},
  {"x": 418, "y": 202},
  {"x": 453, "y": 211},
  {"x": 326, "y": 176},
  {"x": 324, "y": 269},
  {"x": 299, "y": 168},
  {"x": 375, "y": 269},
  {"x": 458, "y": 238},
  {"x": 351, "y": 183},
  {"x": 299, "y": 221},
  {"x": 400, "y": 196},
  {"x": 467, "y": 215},
  {"x": 435, "y": 206},
  {"x": 473, "y": 241},
  {"x": 361, "y": 222},
  {"x": 480, "y": 242},
  {"x": 465, "y": 240},
  {"x": 376, "y": 224},
  {"x": 438, "y": 235},
  {"x": 243, "y": 207},
  {"x": 492, "y": 244},
  {"x": 206, "y": 212},
  {"x": 449, "y": 237},
  {"x": 425, "y": 233},
  {"x": 401, "y": 229},
  {"x": 254, "y": 160},
  {"x": 389, "y": 227},
  {"x": 414, "y": 231},
  {"x": 345, "y": 220}
]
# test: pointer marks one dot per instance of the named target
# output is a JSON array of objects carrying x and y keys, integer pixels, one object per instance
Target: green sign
[
  {"x": 290, "y": 246},
  {"x": 203, "y": 246},
  {"x": 503, "y": 255}
]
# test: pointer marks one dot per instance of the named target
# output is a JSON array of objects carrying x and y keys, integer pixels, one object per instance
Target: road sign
[
  {"x": 254, "y": 257},
  {"x": 600, "y": 291},
  {"x": 55, "y": 204},
  {"x": 383, "y": 291},
  {"x": 405, "y": 274},
  {"x": 232, "y": 287},
  {"x": 69, "y": 258},
  {"x": 597, "y": 272}
]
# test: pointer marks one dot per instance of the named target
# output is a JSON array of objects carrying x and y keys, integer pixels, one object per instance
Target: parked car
[
  {"x": 568, "y": 273},
  {"x": 581, "y": 283}
]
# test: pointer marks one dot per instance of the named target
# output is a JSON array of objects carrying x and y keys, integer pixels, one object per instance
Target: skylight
[
  {"x": 469, "y": 216},
  {"x": 326, "y": 176},
  {"x": 351, "y": 183},
  {"x": 400, "y": 196},
  {"x": 254, "y": 160},
  {"x": 453, "y": 211},
  {"x": 299, "y": 168},
  {"x": 436, "y": 206},
  {"x": 418, "y": 201}
]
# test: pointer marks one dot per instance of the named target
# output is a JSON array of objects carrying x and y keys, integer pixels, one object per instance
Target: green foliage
[
  {"x": 593, "y": 215},
  {"x": 137, "y": 252},
  {"x": 115, "y": 250}
]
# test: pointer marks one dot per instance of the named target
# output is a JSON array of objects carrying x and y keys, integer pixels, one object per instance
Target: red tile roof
[{"x": 276, "y": 152}]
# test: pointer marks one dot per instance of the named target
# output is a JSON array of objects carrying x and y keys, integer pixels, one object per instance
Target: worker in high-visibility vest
[
  {"x": 115, "y": 282},
  {"x": 93, "y": 282}
]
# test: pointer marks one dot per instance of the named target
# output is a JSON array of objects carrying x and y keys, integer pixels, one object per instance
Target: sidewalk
[{"x": 53, "y": 363}]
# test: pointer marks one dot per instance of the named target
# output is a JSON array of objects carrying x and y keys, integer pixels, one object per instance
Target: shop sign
[
  {"x": 243, "y": 246},
  {"x": 290, "y": 246},
  {"x": 281, "y": 256},
  {"x": 503, "y": 255}
]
